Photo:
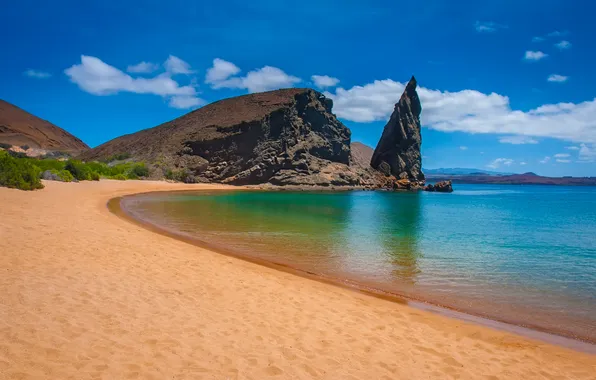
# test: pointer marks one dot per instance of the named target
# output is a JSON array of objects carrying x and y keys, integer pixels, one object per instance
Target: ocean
[{"x": 524, "y": 255}]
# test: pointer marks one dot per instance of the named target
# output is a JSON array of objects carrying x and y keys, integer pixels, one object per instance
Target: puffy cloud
[
  {"x": 517, "y": 140},
  {"x": 37, "y": 74},
  {"x": 184, "y": 102},
  {"x": 557, "y": 78},
  {"x": 264, "y": 79},
  {"x": 143, "y": 67},
  {"x": 572, "y": 147},
  {"x": 522, "y": 163},
  {"x": 175, "y": 65},
  {"x": 96, "y": 77},
  {"x": 220, "y": 71},
  {"x": 587, "y": 153},
  {"x": 488, "y": 27},
  {"x": 500, "y": 161},
  {"x": 561, "y": 155},
  {"x": 469, "y": 111},
  {"x": 324, "y": 81},
  {"x": 563, "y": 161},
  {"x": 534, "y": 55},
  {"x": 545, "y": 160},
  {"x": 563, "y": 45},
  {"x": 463, "y": 147}
]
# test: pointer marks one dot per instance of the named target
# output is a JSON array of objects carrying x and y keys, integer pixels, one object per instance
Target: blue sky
[{"x": 505, "y": 85}]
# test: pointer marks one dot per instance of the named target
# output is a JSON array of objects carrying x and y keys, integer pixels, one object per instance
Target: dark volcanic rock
[
  {"x": 440, "y": 187},
  {"x": 398, "y": 151},
  {"x": 283, "y": 137}
]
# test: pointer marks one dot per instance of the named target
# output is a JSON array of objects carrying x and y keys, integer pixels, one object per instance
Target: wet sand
[{"x": 86, "y": 294}]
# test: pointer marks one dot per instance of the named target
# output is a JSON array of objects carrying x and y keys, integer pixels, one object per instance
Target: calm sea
[{"x": 520, "y": 254}]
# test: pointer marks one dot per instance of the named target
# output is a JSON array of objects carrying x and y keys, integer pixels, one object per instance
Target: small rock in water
[{"x": 440, "y": 187}]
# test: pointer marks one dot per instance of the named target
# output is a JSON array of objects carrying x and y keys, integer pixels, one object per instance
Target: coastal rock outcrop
[
  {"x": 440, "y": 187},
  {"x": 282, "y": 137},
  {"x": 398, "y": 152}
]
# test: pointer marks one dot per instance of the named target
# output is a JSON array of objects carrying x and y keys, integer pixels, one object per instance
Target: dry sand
[{"x": 85, "y": 294}]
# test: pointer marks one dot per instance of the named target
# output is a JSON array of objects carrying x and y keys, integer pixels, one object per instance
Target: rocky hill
[
  {"x": 282, "y": 137},
  {"x": 18, "y": 127}
]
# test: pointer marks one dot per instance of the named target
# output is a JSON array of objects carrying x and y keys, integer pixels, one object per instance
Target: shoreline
[
  {"x": 116, "y": 206},
  {"x": 86, "y": 294}
]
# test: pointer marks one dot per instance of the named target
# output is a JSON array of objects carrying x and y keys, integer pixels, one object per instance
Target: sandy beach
[{"x": 86, "y": 294}]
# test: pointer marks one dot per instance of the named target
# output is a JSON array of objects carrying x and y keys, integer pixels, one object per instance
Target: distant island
[{"x": 475, "y": 176}]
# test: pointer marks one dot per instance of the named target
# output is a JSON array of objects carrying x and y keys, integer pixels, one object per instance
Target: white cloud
[
  {"x": 488, "y": 27},
  {"x": 563, "y": 45},
  {"x": 264, "y": 79},
  {"x": 469, "y": 111},
  {"x": 522, "y": 163},
  {"x": 572, "y": 147},
  {"x": 563, "y": 161},
  {"x": 143, "y": 67},
  {"x": 557, "y": 78},
  {"x": 545, "y": 160},
  {"x": 184, "y": 102},
  {"x": 561, "y": 155},
  {"x": 558, "y": 33},
  {"x": 175, "y": 65},
  {"x": 37, "y": 74},
  {"x": 220, "y": 71},
  {"x": 463, "y": 147},
  {"x": 500, "y": 161},
  {"x": 324, "y": 81},
  {"x": 98, "y": 78},
  {"x": 537, "y": 39},
  {"x": 587, "y": 153},
  {"x": 534, "y": 55},
  {"x": 517, "y": 140}
]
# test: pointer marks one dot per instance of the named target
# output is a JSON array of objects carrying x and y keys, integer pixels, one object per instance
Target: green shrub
[
  {"x": 19, "y": 174},
  {"x": 140, "y": 170},
  {"x": 79, "y": 170},
  {"x": 118, "y": 157},
  {"x": 94, "y": 176},
  {"x": 120, "y": 177},
  {"x": 180, "y": 175},
  {"x": 64, "y": 175}
]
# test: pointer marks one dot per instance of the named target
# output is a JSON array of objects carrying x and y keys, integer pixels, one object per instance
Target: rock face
[
  {"x": 20, "y": 128},
  {"x": 283, "y": 137},
  {"x": 398, "y": 151},
  {"x": 440, "y": 187}
]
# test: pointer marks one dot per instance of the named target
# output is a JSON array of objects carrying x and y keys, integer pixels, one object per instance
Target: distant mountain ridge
[
  {"x": 462, "y": 171},
  {"x": 19, "y": 127}
]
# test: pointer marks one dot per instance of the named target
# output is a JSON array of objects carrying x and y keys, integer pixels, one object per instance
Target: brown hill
[
  {"x": 283, "y": 137},
  {"x": 361, "y": 154},
  {"x": 19, "y": 127}
]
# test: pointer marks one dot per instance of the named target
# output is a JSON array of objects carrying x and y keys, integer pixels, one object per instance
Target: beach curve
[{"x": 85, "y": 294}]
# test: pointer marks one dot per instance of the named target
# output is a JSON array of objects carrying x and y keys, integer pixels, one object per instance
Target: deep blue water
[{"x": 520, "y": 254}]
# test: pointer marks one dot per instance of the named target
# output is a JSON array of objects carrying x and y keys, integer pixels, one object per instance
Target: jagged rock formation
[
  {"x": 18, "y": 127},
  {"x": 440, "y": 187},
  {"x": 283, "y": 137},
  {"x": 398, "y": 151}
]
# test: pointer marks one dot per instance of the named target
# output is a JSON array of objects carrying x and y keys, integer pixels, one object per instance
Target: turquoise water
[{"x": 520, "y": 254}]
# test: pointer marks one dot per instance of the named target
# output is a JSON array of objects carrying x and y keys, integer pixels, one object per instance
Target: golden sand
[{"x": 86, "y": 294}]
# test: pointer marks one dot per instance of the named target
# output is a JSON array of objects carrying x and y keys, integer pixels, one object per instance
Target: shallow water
[{"x": 519, "y": 254}]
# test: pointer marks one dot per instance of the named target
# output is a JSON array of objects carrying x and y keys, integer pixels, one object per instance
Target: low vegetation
[
  {"x": 18, "y": 173},
  {"x": 21, "y": 172}
]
